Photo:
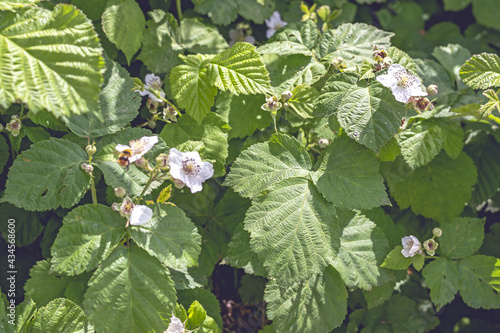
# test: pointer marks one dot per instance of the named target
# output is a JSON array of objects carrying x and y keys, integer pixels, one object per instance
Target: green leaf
[
  {"x": 255, "y": 10},
  {"x": 283, "y": 48},
  {"x": 213, "y": 132},
  {"x": 198, "y": 37},
  {"x": 356, "y": 260},
  {"x": 369, "y": 114},
  {"x": 240, "y": 255},
  {"x": 305, "y": 33},
  {"x": 36, "y": 134},
  {"x": 162, "y": 42},
  {"x": 402, "y": 58},
  {"x": 118, "y": 105},
  {"x": 293, "y": 230},
  {"x": 4, "y": 153},
  {"x": 133, "y": 180},
  {"x": 318, "y": 304},
  {"x": 196, "y": 315},
  {"x": 378, "y": 295},
  {"x": 43, "y": 286},
  {"x": 207, "y": 300},
  {"x": 61, "y": 315},
  {"x": 28, "y": 226},
  {"x": 15, "y": 4},
  {"x": 264, "y": 166},
  {"x": 24, "y": 315},
  {"x": 404, "y": 315},
  {"x": 418, "y": 262},
  {"x": 302, "y": 100},
  {"x": 92, "y": 8},
  {"x": 396, "y": 260},
  {"x": 461, "y": 237},
  {"x": 441, "y": 276},
  {"x": 240, "y": 70},
  {"x": 347, "y": 175},
  {"x": 484, "y": 13},
  {"x": 421, "y": 143},
  {"x": 87, "y": 237},
  {"x": 452, "y": 57},
  {"x": 38, "y": 67},
  {"x": 434, "y": 190},
  {"x": 490, "y": 106},
  {"x": 123, "y": 22},
  {"x": 353, "y": 42},
  {"x": 170, "y": 236},
  {"x": 192, "y": 86},
  {"x": 453, "y": 135},
  {"x": 130, "y": 292},
  {"x": 390, "y": 151},
  {"x": 48, "y": 175},
  {"x": 480, "y": 281},
  {"x": 456, "y": 5},
  {"x": 482, "y": 71},
  {"x": 252, "y": 288}
]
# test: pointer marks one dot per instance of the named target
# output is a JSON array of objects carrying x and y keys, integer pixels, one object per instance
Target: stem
[
  {"x": 179, "y": 10},
  {"x": 92, "y": 184},
  {"x": 154, "y": 173}
]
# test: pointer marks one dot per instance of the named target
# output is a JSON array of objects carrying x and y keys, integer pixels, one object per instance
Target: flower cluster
[
  {"x": 136, "y": 214},
  {"x": 412, "y": 246},
  {"x": 151, "y": 88},
  {"x": 402, "y": 84},
  {"x": 189, "y": 169}
]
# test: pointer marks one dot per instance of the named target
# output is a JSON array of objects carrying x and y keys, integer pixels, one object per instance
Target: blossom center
[
  {"x": 190, "y": 167},
  {"x": 404, "y": 79}
]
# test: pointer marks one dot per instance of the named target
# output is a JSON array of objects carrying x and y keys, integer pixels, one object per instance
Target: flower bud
[
  {"x": 14, "y": 126},
  {"x": 152, "y": 105},
  {"x": 178, "y": 183},
  {"x": 90, "y": 149},
  {"x": 337, "y": 61},
  {"x": 162, "y": 161},
  {"x": 432, "y": 90},
  {"x": 143, "y": 164},
  {"x": 115, "y": 206},
  {"x": 120, "y": 192},
  {"x": 430, "y": 245},
  {"x": 437, "y": 232},
  {"x": 422, "y": 104},
  {"x": 323, "y": 143},
  {"x": 272, "y": 104},
  {"x": 87, "y": 168},
  {"x": 126, "y": 207},
  {"x": 285, "y": 96},
  {"x": 169, "y": 113}
]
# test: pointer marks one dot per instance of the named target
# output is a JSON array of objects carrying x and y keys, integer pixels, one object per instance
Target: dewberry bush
[{"x": 331, "y": 165}]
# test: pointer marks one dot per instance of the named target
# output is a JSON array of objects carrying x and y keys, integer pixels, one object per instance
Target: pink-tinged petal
[
  {"x": 140, "y": 214},
  {"x": 121, "y": 148}
]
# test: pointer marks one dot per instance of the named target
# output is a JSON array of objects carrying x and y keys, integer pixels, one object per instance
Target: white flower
[
  {"x": 238, "y": 36},
  {"x": 403, "y": 84},
  {"x": 175, "y": 326},
  {"x": 138, "y": 148},
  {"x": 137, "y": 214},
  {"x": 411, "y": 246},
  {"x": 188, "y": 168},
  {"x": 274, "y": 23},
  {"x": 153, "y": 82}
]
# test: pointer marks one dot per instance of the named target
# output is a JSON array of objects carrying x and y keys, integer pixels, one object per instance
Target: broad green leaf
[
  {"x": 16, "y": 4},
  {"x": 130, "y": 292},
  {"x": 192, "y": 86},
  {"x": 293, "y": 230},
  {"x": 302, "y": 100},
  {"x": 353, "y": 42},
  {"x": 161, "y": 46},
  {"x": 368, "y": 113},
  {"x": 452, "y": 57},
  {"x": 461, "y": 237},
  {"x": 48, "y": 175},
  {"x": 208, "y": 300},
  {"x": 213, "y": 132},
  {"x": 441, "y": 276},
  {"x": 222, "y": 15},
  {"x": 493, "y": 104},
  {"x": 240, "y": 70},
  {"x": 392, "y": 231},
  {"x": 123, "y": 22},
  {"x": 482, "y": 71},
  {"x": 455, "y": 5},
  {"x": 282, "y": 48},
  {"x": 252, "y": 288},
  {"x": 378, "y": 295},
  {"x": 240, "y": 255},
  {"x": 198, "y": 37},
  {"x": 347, "y": 175},
  {"x": 305, "y": 33},
  {"x": 61, "y": 315},
  {"x": 243, "y": 113},
  {"x": 453, "y": 134},
  {"x": 43, "y": 286},
  {"x": 421, "y": 143},
  {"x": 405, "y": 316},
  {"x": 396, "y": 260},
  {"x": 356, "y": 260},
  {"x": 133, "y": 180},
  {"x": 92, "y": 8},
  {"x": 484, "y": 13},
  {"x": 24, "y": 315},
  {"x": 170, "y": 236},
  {"x": 480, "y": 281},
  {"x": 28, "y": 226},
  {"x": 264, "y": 166},
  {"x": 196, "y": 315},
  {"x": 318, "y": 304},
  {"x": 87, "y": 237},
  {"x": 118, "y": 105},
  {"x": 434, "y": 190},
  {"x": 402, "y": 58},
  {"x": 51, "y": 60}
]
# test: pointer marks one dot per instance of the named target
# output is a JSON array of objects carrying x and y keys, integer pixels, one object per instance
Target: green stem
[
  {"x": 179, "y": 10},
  {"x": 154, "y": 173},
  {"x": 92, "y": 184}
]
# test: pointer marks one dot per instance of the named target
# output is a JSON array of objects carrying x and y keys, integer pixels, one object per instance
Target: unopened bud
[
  {"x": 285, "y": 96},
  {"x": 90, "y": 149},
  {"x": 337, "y": 61},
  {"x": 178, "y": 183},
  {"x": 323, "y": 143},
  {"x": 162, "y": 161},
  {"x": 87, "y": 167},
  {"x": 422, "y": 103},
  {"x": 432, "y": 90},
  {"x": 437, "y": 232},
  {"x": 120, "y": 192},
  {"x": 151, "y": 123},
  {"x": 152, "y": 105}
]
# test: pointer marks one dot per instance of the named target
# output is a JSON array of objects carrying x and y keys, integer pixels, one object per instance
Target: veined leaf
[
  {"x": 118, "y": 105},
  {"x": 123, "y": 22},
  {"x": 48, "y": 175},
  {"x": 293, "y": 230},
  {"x": 347, "y": 175},
  {"x": 421, "y": 143},
  {"x": 264, "y": 166},
  {"x": 15, "y": 4},
  {"x": 192, "y": 86},
  {"x": 402, "y": 58},
  {"x": 130, "y": 292},
  {"x": 461, "y": 237},
  {"x": 170, "y": 236},
  {"x": 240, "y": 70},
  {"x": 318, "y": 304},
  {"x": 482, "y": 71},
  {"x": 441, "y": 275},
  {"x": 198, "y": 37},
  {"x": 305, "y": 33},
  {"x": 282, "y": 48},
  {"x": 212, "y": 132},
  {"x": 240, "y": 254},
  {"x": 88, "y": 235},
  {"x": 255, "y": 10},
  {"x": 50, "y": 60},
  {"x": 480, "y": 281},
  {"x": 302, "y": 100},
  {"x": 453, "y": 133},
  {"x": 61, "y": 315}
]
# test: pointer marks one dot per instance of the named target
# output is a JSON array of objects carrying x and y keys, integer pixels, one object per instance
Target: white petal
[
  {"x": 387, "y": 80},
  {"x": 192, "y": 155},
  {"x": 194, "y": 183},
  {"x": 270, "y": 32},
  {"x": 177, "y": 172},
  {"x": 273, "y": 19},
  {"x": 401, "y": 94},
  {"x": 405, "y": 253},
  {"x": 395, "y": 68},
  {"x": 174, "y": 157},
  {"x": 140, "y": 214},
  {"x": 142, "y": 92},
  {"x": 416, "y": 91},
  {"x": 207, "y": 171},
  {"x": 249, "y": 39},
  {"x": 121, "y": 148},
  {"x": 150, "y": 78}
]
